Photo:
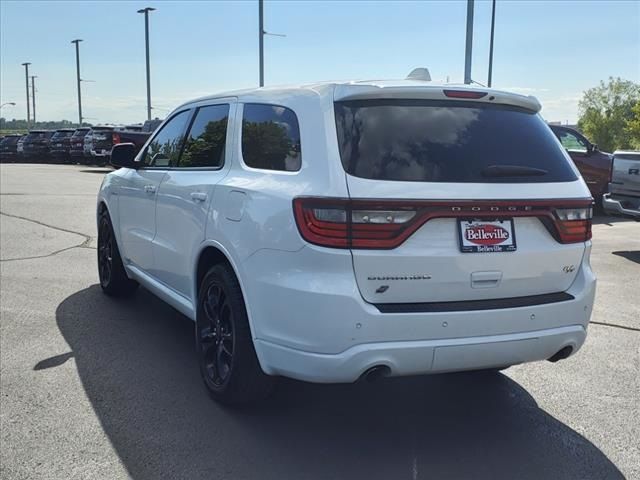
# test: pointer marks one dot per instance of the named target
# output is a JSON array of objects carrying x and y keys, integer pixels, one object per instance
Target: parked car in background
[
  {"x": 136, "y": 134},
  {"x": 20, "y": 147},
  {"x": 60, "y": 144},
  {"x": 594, "y": 165},
  {"x": 87, "y": 146},
  {"x": 355, "y": 230},
  {"x": 9, "y": 148},
  {"x": 36, "y": 145},
  {"x": 102, "y": 142},
  {"x": 76, "y": 149},
  {"x": 624, "y": 189}
]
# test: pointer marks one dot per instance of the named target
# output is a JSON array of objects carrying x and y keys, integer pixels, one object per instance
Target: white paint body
[{"x": 310, "y": 308}]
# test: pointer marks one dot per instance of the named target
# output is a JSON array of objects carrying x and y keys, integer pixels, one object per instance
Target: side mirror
[{"x": 123, "y": 155}]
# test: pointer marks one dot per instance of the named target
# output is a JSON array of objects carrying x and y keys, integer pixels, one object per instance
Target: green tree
[
  {"x": 266, "y": 144},
  {"x": 633, "y": 126},
  {"x": 605, "y": 112}
]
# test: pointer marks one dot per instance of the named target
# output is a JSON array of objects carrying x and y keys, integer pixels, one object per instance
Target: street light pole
[
  {"x": 33, "y": 96},
  {"x": 469, "y": 43},
  {"x": 493, "y": 24},
  {"x": 261, "y": 39},
  {"x": 77, "y": 42},
  {"x": 26, "y": 81},
  {"x": 8, "y": 103},
  {"x": 146, "y": 40}
]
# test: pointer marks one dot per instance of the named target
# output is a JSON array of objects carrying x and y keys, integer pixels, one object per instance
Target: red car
[{"x": 594, "y": 165}]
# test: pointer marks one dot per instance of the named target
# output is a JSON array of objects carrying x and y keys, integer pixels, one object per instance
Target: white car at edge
[{"x": 335, "y": 231}]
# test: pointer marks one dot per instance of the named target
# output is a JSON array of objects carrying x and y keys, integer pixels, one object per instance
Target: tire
[
  {"x": 113, "y": 277},
  {"x": 224, "y": 345}
]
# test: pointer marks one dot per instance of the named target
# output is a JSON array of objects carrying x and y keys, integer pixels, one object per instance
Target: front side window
[
  {"x": 571, "y": 142},
  {"x": 270, "y": 137},
  {"x": 164, "y": 149},
  {"x": 205, "y": 143}
]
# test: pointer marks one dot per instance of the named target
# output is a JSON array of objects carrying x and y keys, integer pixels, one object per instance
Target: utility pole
[
  {"x": 469, "y": 44},
  {"x": 261, "y": 33},
  {"x": 493, "y": 24},
  {"x": 146, "y": 40},
  {"x": 33, "y": 96},
  {"x": 77, "y": 42},
  {"x": 261, "y": 39},
  {"x": 26, "y": 81}
]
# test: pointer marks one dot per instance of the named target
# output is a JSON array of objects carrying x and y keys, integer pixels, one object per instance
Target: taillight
[
  {"x": 574, "y": 224},
  {"x": 464, "y": 94},
  {"x": 385, "y": 224},
  {"x": 342, "y": 223},
  {"x": 115, "y": 138}
]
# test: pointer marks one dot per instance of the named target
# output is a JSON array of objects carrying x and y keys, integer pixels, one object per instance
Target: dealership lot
[{"x": 93, "y": 387}]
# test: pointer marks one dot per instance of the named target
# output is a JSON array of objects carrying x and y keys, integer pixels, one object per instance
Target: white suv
[{"x": 335, "y": 231}]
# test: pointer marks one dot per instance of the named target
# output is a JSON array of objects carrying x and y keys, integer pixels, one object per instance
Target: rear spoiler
[{"x": 429, "y": 92}]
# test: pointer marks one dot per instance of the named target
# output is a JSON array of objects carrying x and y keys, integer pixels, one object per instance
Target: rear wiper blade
[{"x": 512, "y": 171}]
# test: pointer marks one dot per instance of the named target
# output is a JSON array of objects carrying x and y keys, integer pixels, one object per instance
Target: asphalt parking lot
[{"x": 93, "y": 387}]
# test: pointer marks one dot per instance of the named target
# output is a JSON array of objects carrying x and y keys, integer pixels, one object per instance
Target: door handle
[
  {"x": 150, "y": 188},
  {"x": 485, "y": 279},
  {"x": 198, "y": 196}
]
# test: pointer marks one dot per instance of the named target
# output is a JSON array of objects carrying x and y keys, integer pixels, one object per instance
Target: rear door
[
  {"x": 137, "y": 204},
  {"x": 186, "y": 193},
  {"x": 472, "y": 190}
]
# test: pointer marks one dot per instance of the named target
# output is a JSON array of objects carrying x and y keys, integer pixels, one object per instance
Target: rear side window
[
  {"x": 164, "y": 149},
  {"x": 571, "y": 142},
  {"x": 205, "y": 144},
  {"x": 445, "y": 141},
  {"x": 270, "y": 137}
]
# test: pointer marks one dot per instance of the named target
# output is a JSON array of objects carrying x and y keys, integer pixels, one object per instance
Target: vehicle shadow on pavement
[
  {"x": 609, "y": 220},
  {"x": 136, "y": 360}
]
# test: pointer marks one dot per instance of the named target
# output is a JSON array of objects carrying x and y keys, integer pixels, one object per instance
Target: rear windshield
[
  {"x": 445, "y": 141},
  {"x": 36, "y": 135},
  {"x": 80, "y": 133},
  {"x": 9, "y": 140},
  {"x": 62, "y": 134}
]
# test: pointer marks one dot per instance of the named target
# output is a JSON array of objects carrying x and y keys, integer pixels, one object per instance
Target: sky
[{"x": 551, "y": 49}]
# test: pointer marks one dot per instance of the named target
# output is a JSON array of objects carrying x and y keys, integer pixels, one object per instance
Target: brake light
[
  {"x": 343, "y": 223},
  {"x": 115, "y": 138},
  {"x": 386, "y": 224},
  {"x": 464, "y": 94},
  {"x": 574, "y": 224}
]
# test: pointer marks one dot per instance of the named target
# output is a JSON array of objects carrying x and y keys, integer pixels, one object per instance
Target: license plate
[
  {"x": 58, "y": 145},
  {"x": 487, "y": 236}
]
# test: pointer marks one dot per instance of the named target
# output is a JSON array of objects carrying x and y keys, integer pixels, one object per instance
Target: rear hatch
[
  {"x": 102, "y": 139},
  {"x": 456, "y": 199}
]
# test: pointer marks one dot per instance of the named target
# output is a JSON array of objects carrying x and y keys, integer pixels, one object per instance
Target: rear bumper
[
  {"x": 323, "y": 330},
  {"x": 621, "y": 204},
  {"x": 421, "y": 357}
]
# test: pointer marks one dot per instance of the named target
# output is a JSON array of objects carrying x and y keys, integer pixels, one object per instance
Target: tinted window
[
  {"x": 80, "y": 133},
  {"x": 438, "y": 141},
  {"x": 9, "y": 140},
  {"x": 164, "y": 149},
  {"x": 270, "y": 137},
  {"x": 571, "y": 141},
  {"x": 62, "y": 134},
  {"x": 204, "y": 146}
]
